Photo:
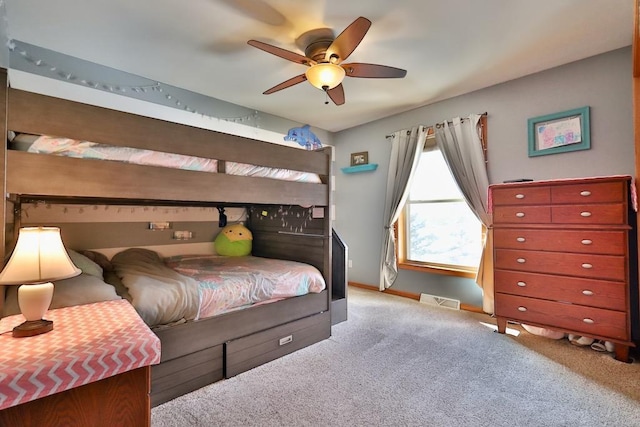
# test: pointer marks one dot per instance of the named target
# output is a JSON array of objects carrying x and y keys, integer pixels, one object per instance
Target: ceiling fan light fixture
[
  {"x": 325, "y": 75},
  {"x": 324, "y": 54}
]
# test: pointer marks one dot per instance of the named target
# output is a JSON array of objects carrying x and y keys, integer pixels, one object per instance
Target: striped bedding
[
  {"x": 91, "y": 150},
  {"x": 227, "y": 283},
  {"x": 190, "y": 287}
]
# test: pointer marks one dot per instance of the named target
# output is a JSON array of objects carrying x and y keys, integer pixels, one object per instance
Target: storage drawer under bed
[
  {"x": 256, "y": 349},
  {"x": 178, "y": 376}
]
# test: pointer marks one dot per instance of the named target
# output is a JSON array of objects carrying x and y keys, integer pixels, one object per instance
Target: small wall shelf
[{"x": 360, "y": 168}]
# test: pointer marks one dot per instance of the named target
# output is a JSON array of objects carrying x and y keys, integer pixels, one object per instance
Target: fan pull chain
[{"x": 326, "y": 94}]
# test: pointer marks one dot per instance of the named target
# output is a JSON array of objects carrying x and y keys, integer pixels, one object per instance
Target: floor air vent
[{"x": 440, "y": 301}]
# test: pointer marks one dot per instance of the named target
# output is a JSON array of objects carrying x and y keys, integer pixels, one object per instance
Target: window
[{"x": 437, "y": 231}]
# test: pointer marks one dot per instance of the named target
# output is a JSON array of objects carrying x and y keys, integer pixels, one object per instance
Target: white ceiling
[{"x": 448, "y": 47}]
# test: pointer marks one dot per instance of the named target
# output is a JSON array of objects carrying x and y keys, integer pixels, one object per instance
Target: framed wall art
[
  {"x": 361, "y": 158},
  {"x": 559, "y": 132}
]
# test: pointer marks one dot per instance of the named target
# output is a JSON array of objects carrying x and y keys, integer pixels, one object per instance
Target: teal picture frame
[{"x": 559, "y": 132}]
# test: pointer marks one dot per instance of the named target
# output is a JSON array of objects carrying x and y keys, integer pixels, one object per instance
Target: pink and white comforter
[
  {"x": 227, "y": 283},
  {"x": 190, "y": 287},
  {"x": 92, "y": 150}
]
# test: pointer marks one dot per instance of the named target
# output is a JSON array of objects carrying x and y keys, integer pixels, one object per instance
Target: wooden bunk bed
[{"x": 199, "y": 352}]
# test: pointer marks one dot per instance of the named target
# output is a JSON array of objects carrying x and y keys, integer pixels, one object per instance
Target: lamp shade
[
  {"x": 325, "y": 75},
  {"x": 39, "y": 256}
]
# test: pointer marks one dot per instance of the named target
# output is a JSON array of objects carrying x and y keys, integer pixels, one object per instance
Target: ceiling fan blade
[
  {"x": 288, "y": 83},
  {"x": 337, "y": 94},
  {"x": 282, "y": 53},
  {"x": 258, "y": 10},
  {"x": 373, "y": 71},
  {"x": 348, "y": 40}
]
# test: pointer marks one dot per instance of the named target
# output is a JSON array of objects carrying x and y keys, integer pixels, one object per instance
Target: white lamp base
[{"x": 34, "y": 301}]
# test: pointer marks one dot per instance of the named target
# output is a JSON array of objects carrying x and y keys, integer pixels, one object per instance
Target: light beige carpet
[{"x": 397, "y": 362}]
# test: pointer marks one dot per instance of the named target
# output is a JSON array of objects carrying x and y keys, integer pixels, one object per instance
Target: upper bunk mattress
[{"x": 91, "y": 150}]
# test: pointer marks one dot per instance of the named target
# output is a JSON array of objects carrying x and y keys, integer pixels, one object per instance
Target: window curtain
[
  {"x": 459, "y": 142},
  {"x": 406, "y": 147}
]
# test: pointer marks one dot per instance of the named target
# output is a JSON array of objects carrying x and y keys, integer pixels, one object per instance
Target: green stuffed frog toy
[{"x": 234, "y": 240}]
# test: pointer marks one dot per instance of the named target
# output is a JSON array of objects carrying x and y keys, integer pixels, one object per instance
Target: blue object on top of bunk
[{"x": 303, "y": 136}]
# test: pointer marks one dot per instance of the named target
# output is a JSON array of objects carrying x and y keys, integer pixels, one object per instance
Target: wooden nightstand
[{"x": 93, "y": 369}]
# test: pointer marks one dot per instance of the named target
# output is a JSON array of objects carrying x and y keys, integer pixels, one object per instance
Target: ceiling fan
[{"x": 324, "y": 55}]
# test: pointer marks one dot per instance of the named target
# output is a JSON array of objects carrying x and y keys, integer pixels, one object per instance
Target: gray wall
[
  {"x": 602, "y": 82},
  {"x": 58, "y": 66}
]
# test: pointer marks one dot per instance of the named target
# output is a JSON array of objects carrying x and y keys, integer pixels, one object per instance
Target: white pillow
[{"x": 85, "y": 264}]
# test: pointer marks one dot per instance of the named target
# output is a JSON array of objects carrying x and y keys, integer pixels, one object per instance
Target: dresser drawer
[
  {"x": 593, "y": 293},
  {"x": 614, "y": 214},
  {"x": 521, "y": 195},
  {"x": 608, "y": 267},
  {"x": 522, "y": 215},
  {"x": 583, "y": 241},
  {"x": 587, "y": 320},
  {"x": 602, "y": 192}
]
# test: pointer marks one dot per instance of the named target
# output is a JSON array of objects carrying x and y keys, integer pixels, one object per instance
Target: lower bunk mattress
[{"x": 191, "y": 287}]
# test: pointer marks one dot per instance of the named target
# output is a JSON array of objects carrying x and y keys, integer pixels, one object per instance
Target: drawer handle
[
  {"x": 585, "y": 214},
  {"x": 585, "y": 193},
  {"x": 521, "y": 308},
  {"x": 519, "y": 196},
  {"x": 520, "y": 239},
  {"x": 587, "y": 292},
  {"x": 587, "y": 265},
  {"x": 521, "y": 260},
  {"x": 586, "y": 242},
  {"x": 521, "y": 284},
  {"x": 588, "y": 321},
  {"x": 520, "y": 214},
  {"x": 286, "y": 340}
]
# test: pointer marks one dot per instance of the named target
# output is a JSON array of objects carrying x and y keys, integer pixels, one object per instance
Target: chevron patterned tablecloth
[{"x": 88, "y": 343}]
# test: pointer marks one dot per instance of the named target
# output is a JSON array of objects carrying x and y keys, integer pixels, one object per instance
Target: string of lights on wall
[
  {"x": 155, "y": 87},
  {"x": 73, "y": 209}
]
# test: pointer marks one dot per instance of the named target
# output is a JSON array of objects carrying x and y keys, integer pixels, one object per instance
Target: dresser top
[{"x": 565, "y": 181}]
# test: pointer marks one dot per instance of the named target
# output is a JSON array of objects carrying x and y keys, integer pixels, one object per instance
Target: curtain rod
[{"x": 449, "y": 122}]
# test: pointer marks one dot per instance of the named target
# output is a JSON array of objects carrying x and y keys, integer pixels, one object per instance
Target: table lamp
[{"x": 38, "y": 258}]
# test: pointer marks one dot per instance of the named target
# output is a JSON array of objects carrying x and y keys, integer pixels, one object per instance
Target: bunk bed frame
[{"x": 199, "y": 352}]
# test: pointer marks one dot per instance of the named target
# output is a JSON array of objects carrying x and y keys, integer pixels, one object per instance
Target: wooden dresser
[{"x": 566, "y": 257}]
